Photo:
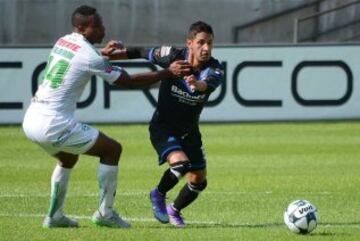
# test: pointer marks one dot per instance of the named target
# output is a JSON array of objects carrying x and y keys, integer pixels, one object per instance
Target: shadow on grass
[
  {"x": 234, "y": 225},
  {"x": 258, "y": 226},
  {"x": 340, "y": 224},
  {"x": 328, "y": 234},
  {"x": 190, "y": 225}
]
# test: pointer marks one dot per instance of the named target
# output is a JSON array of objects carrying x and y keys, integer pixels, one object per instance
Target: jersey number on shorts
[{"x": 56, "y": 74}]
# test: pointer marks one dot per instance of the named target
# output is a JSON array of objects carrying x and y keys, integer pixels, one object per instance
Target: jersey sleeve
[
  {"x": 163, "y": 55},
  {"x": 214, "y": 77},
  {"x": 101, "y": 67}
]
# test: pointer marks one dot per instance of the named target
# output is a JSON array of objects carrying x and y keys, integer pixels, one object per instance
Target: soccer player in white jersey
[{"x": 49, "y": 120}]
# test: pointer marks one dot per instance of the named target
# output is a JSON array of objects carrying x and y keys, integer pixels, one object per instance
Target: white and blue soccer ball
[{"x": 301, "y": 217}]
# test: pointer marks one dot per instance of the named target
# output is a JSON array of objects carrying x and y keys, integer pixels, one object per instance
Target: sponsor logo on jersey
[
  {"x": 110, "y": 69},
  {"x": 165, "y": 51},
  {"x": 171, "y": 139},
  {"x": 186, "y": 97},
  {"x": 219, "y": 72},
  {"x": 66, "y": 44},
  {"x": 63, "y": 52}
]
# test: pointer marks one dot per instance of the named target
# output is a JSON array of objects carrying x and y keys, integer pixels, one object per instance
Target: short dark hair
[
  {"x": 198, "y": 27},
  {"x": 79, "y": 16}
]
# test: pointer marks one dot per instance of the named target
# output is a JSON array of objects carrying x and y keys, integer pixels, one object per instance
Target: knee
[
  {"x": 197, "y": 187},
  {"x": 117, "y": 148},
  {"x": 180, "y": 168},
  {"x": 112, "y": 148},
  {"x": 112, "y": 154},
  {"x": 69, "y": 161}
]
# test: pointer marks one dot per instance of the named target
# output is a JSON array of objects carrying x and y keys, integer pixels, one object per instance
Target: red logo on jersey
[{"x": 67, "y": 44}]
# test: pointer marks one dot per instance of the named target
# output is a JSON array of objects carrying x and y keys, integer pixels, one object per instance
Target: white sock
[
  {"x": 59, "y": 183},
  {"x": 107, "y": 176}
]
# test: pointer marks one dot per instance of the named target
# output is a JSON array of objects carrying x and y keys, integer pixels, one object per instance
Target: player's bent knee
[
  {"x": 111, "y": 153},
  {"x": 118, "y": 148},
  {"x": 180, "y": 168},
  {"x": 197, "y": 187},
  {"x": 114, "y": 150},
  {"x": 67, "y": 160}
]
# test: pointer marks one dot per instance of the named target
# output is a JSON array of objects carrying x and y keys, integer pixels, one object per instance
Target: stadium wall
[
  {"x": 41, "y": 22},
  {"x": 263, "y": 83}
]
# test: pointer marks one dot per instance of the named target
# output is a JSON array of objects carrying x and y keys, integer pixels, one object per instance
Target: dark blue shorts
[{"x": 165, "y": 141}]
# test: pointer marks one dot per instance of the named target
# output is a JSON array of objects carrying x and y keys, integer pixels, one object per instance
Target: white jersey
[
  {"x": 49, "y": 120},
  {"x": 72, "y": 62}
]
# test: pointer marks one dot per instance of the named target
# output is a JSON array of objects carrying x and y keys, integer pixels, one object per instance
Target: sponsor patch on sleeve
[
  {"x": 165, "y": 51},
  {"x": 110, "y": 69},
  {"x": 218, "y": 71}
]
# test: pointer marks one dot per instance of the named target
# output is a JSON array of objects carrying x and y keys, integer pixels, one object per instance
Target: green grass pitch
[{"x": 254, "y": 171}]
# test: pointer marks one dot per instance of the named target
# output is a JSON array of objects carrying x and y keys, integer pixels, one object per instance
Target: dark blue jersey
[{"x": 179, "y": 107}]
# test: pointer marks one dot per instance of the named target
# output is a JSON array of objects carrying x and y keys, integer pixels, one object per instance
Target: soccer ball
[{"x": 301, "y": 217}]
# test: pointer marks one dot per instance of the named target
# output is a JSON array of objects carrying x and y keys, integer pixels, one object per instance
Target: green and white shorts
[{"x": 58, "y": 133}]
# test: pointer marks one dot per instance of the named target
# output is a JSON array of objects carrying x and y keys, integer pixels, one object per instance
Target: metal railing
[
  {"x": 297, "y": 21},
  {"x": 237, "y": 29}
]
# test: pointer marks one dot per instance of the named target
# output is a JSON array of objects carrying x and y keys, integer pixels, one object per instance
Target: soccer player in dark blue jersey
[{"x": 174, "y": 127}]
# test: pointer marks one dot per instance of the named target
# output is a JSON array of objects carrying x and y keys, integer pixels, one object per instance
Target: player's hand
[
  {"x": 180, "y": 68},
  {"x": 195, "y": 84},
  {"x": 111, "y": 47},
  {"x": 191, "y": 81}
]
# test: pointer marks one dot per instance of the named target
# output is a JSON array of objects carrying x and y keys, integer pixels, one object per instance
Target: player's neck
[
  {"x": 75, "y": 30},
  {"x": 193, "y": 61}
]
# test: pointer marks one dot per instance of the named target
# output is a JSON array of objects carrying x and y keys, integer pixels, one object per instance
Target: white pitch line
[
  {"x": 196, "y": 222},
  {"x": 144, "y": 193},
  {"x": 81, "y": 217},
  {"x": 22, "y": 195}
]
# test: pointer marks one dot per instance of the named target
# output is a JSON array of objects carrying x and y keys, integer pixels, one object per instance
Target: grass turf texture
[{"x": 254, "y": 172}]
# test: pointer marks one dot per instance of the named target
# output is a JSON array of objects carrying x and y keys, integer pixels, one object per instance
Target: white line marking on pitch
[
  {"x": 152, "y": 220},
  {"x": 144, "y": 193}
]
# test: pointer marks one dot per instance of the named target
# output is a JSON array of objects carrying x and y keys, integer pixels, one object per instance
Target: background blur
[
  {"x": 282, "y": 59},
  {"x": 41, "y": 22}
]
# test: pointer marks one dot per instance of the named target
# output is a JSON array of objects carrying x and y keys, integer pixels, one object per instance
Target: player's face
[
  {"x": 201, "y": 46},
  {"x": 95, "y": 31}
]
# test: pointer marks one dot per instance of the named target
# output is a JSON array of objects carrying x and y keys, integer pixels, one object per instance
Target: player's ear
[
  {"x": 81, "y": 28},
  {"x": 188, "y": 42}
]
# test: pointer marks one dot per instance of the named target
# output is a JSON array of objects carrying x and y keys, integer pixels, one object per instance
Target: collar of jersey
[{"x": 78, "y": 35}]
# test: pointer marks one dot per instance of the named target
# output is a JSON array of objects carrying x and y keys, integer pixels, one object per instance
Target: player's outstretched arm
[
  {"x": 116, "y": 53},
  {"x": 113, "y": 47},
  {"x": 177, "y": 69}
]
